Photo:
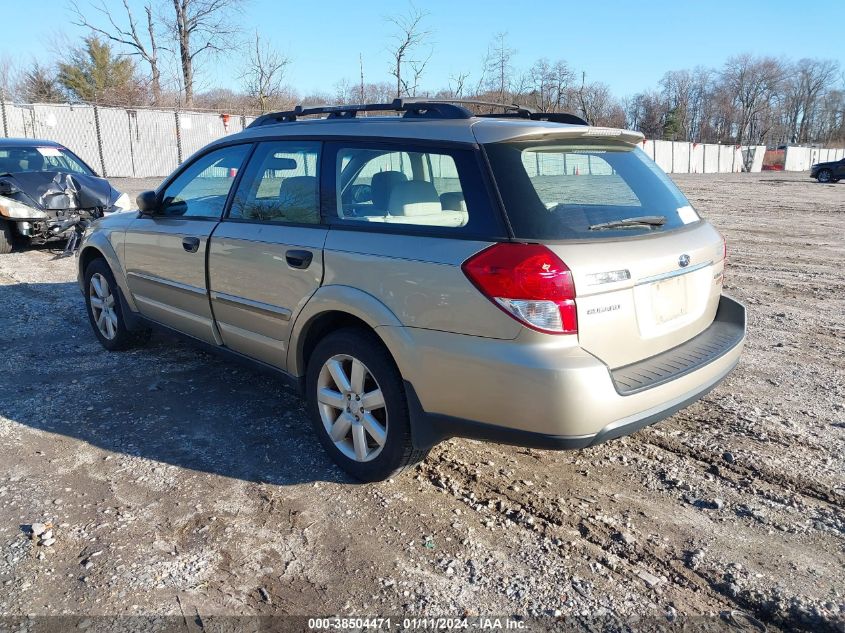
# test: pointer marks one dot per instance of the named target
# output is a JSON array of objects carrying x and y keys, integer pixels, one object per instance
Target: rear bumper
[{"x": 558, "y": 396}]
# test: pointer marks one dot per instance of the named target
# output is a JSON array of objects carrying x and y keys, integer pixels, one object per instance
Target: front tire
[
  {"x": 7, "y": 237},
  {"x": 356, "y": 400},
  {"x": 824, "y": 176},
  {"x": 105, "y": 312}
]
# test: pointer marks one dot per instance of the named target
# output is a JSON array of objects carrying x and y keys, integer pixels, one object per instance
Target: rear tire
[
  {"x": 824, "y": 176},
  {"x": 7, "y": 237},
  {"x": 356, "y": 400},
  {"x": 105, "y": 311}
]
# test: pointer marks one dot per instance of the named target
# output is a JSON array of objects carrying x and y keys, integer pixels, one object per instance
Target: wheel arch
[
  {"x": 335, "y": 307},
  {"x": 96, "y": 246}
]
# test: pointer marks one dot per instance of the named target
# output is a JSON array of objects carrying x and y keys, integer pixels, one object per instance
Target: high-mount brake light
[{"x": 529, "y": 282}]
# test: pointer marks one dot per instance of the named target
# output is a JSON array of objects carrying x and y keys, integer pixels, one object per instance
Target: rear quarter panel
[{"x": 419, "y": 279}]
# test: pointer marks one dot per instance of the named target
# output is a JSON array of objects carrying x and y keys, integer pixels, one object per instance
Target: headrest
[
  {"x": 298, "y": 191},
  {"x": 453, "y": 201},
  {"x": 382, "y": 183},
  {"x": 414, "y": 197}
]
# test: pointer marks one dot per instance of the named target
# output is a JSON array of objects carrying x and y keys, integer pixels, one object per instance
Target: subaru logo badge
[{"x": 683, "y": 260}]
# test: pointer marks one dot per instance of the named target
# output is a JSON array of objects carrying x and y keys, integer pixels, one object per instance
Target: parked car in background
[
  {"x": 522, "y": 278},
  {"x": 831, "y": 171},
  {"x": 46, "y": 191}
]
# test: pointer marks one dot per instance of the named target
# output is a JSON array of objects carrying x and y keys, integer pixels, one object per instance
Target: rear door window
[{"x": 410, "y": 188}]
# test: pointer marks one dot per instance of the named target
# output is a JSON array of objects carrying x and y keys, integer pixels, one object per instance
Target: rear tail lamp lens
[{"x": 529, "y": 282}]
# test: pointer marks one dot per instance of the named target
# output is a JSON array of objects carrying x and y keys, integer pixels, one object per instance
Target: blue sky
[{"x": 624, "y": 44}]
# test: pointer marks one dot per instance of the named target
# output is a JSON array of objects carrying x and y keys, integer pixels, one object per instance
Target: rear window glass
[{"x": 574, "y": 190}]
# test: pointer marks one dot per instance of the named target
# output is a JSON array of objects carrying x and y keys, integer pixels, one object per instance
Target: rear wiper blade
[{"x": 645, "y": 220}]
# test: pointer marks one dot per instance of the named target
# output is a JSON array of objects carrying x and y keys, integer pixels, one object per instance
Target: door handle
[
  {"x": 191, "y": 244},
  {"x": 299, "y": 259}
]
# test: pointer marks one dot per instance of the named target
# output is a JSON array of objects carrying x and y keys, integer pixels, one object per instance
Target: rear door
[
  {"x": 165, "y": 254},
  {"x": 266, "y": 257}
]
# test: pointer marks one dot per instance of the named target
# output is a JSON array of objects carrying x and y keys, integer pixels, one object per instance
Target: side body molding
[{"x": 357, "y": 303}]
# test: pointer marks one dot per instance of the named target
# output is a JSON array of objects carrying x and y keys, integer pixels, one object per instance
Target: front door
[
  {"x": 266, "y": 258},
  {"x": 165, "y": 253}
]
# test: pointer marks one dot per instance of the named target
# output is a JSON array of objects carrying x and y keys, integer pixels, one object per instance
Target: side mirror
[
  {"x": 147, "y": 202},
  {"x": 8, "y": 188}
]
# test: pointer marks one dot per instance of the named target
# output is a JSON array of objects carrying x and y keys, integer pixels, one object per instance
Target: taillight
[{"x": 529, "y": 282}]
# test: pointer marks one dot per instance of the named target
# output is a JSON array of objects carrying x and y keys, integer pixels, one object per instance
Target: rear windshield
[{"x": 556, "y": 190}]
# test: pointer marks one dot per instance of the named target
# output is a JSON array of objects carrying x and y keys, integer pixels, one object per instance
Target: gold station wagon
[{"x": 427, "y": 273}]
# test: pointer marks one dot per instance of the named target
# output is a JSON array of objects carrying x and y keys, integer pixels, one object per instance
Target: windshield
[
  {"x": 14, "y": 160},
  {"x": 556, "y": 190}
]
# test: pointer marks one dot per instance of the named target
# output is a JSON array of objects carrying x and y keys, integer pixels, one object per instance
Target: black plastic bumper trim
[{"x": 725, "y": 333}]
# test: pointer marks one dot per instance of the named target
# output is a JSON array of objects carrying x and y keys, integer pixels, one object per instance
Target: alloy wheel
[
  {"x": 102, "y": 306},
  {"x": 352, "y": 408}
]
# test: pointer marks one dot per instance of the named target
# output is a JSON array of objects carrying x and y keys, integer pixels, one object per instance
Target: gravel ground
[{"x": 176, "y": 483}]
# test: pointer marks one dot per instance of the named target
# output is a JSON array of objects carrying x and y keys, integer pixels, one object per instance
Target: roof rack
[
  {"x": 421, "y": 109},
  {"x": 412, "y": 108}
]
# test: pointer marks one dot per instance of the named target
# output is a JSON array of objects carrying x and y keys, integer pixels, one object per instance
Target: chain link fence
[
  {"x": 121, "y": 142},
  {"x": 151, "y": 143}
]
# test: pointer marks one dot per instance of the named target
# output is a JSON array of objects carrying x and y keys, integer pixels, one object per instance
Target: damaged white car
[{"x": 48, "y": 193}]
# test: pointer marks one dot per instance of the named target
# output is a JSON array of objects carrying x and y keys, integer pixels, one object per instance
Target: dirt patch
[{"x": 176, "y": 482}]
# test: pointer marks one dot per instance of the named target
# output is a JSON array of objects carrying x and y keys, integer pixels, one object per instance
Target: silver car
[{"x": 522, "y": 278}]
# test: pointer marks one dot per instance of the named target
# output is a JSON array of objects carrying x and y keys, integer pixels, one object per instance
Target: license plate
[{"x": 669, "y": 299}]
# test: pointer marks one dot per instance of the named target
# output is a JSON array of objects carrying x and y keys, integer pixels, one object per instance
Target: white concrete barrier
[
  {"x": 696, "y": 164},
  {"x": 663, "y": 155},
  {"x": 711, "y": 158},
  {"x": 754, "y": 163},
  {"x": 680, "y": 157},
  {"x": 796, "y": 158}
]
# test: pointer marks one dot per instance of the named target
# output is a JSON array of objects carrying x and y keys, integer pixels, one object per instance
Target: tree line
[{"x": 154, "y": 59}]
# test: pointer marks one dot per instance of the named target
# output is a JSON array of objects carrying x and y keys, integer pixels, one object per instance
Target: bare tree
[
  {"x": 457, "y": 83},
  {"x": 753, "y": 83},
  {"x": 409, "y": 38},
  {"x": 265, "y": 71},
  {"x": 549, "y": 85},
  {"x": 646, "y": 112},
  {"x": 597, "y": 105},
  {"x": 498, "y": 66},
  {"x": 128, "y": 34},
  {"x": 202, "y": 27},
  {"x": 809, "y": 80},
  {"x": 8, "y": 77}
]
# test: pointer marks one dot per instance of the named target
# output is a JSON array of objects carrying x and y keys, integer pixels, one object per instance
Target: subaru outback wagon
[{"x": 430, "y": 273}]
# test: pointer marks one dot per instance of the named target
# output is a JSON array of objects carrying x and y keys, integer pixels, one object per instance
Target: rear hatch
[{"x": 647, "y": 271}]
